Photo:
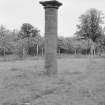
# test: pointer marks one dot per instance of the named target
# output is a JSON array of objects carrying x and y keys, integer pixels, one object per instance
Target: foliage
[
  {"x": 90, "y": 25},
  {"x": 3, "y": 39},
  {"x": 27, "y": 30},
  {"x": 28, "y": 41},
  {"x": 18, "y": 42},
  {"x": 27, "y": 34}
]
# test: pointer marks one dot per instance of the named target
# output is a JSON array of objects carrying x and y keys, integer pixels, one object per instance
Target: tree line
[{"x": 88, "y": 39}]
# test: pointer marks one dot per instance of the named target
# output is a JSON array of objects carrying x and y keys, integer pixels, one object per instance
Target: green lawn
[{"x": 80, "y": 81}]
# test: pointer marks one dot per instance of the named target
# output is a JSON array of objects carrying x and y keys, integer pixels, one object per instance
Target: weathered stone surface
[{"x": 51, "y": 14}]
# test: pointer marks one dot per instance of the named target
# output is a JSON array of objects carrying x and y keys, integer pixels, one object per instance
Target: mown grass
[{"x": 80, "y": 81}]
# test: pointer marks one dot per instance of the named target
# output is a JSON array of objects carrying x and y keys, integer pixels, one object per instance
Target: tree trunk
[
  {"x": 24, "y": 52},
  {"x": 75, "y": 52},
  {"x": 59, "y": 51},
  {"x": 42, "y": 51},
  {"x": 34, "y": 50},
  {"x": 4, "y": 51},
  {"x": 37, "y": 50},
  {"x": 28, "y": 45}
]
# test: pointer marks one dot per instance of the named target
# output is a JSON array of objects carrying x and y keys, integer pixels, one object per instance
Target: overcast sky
[{"x": 15, "y": 12}]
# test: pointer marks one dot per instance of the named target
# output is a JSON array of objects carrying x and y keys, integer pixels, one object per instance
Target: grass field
[{"x": 80, "y": 81}]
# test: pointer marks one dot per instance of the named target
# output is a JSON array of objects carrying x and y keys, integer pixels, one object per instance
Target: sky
[{"x": 13, "y": 13}]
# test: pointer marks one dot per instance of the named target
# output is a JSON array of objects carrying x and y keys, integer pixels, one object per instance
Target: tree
[
  {"x": 36, "y": 43},
  {"x": 90, "y": 26},
  {"x": 60, "y": 42},
  {"x": 101, "y": 45},
  {"x": 62, "y": 45},
  {"x": 28, "y": 31},
  {"x": 3, "y": 35},
  {"x": 76, "y": 44}
]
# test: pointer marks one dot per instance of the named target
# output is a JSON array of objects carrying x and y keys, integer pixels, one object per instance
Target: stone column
[{"x": 51, "y": 14}]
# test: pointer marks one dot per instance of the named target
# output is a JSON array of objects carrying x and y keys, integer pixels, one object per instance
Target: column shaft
[
  {"x": 51, "y": 40},
  {"x": 51, "y": 14}
]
